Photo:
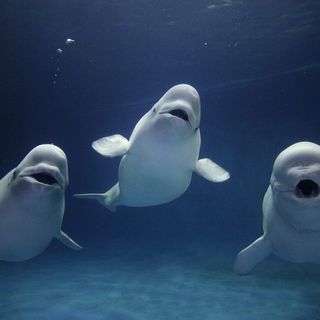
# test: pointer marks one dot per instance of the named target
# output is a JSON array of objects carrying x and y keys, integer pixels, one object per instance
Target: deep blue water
[{"x": 256, "y": 66}]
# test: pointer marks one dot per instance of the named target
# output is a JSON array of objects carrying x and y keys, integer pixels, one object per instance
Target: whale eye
[
  {"x": 14, "y": 176},
  {"x": 307, "y": 189}
]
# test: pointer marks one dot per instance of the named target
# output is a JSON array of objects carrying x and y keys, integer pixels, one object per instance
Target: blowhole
[{"x": 307, "y": 189}]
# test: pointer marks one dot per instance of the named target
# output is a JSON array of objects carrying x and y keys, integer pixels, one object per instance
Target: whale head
[
  {"x": 181, "y": 106},
  {"x": 295, "y": 182},
  {"x": 43, "y": 170}
]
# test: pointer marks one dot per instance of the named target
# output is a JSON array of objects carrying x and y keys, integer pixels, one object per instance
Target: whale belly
[
  {"x": 292, "y": 244},
  {"x": 23, "y": 235},
  {"x": 298, "y": 248},
  {"x": 145, "y": 181}
]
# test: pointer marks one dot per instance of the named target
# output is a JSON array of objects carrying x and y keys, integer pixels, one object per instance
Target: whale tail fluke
[{"x": 108, "y": 199}]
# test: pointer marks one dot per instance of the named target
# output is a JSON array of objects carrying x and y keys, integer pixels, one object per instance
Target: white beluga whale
[
  {"x": 32, "y": 204},
  {"x": 161, "y": 155},
  {"x": 291, "y": 210}
]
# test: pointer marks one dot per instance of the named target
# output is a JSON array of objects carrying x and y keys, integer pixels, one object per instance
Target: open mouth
[
  {"x": 307, "y": 189},
  {"x": 180, "y": 114},
  {"x": 44, "y": 178}
]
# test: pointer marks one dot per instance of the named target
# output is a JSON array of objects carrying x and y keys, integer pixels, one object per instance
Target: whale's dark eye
[
  {"x": 180, "y": 114},
  {"x": 44, "y": 178},
  {"x": 307, "y": 189}
]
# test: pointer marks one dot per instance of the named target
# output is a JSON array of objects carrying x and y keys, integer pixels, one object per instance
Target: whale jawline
[
  {"x": 44, "y": 178},
  {"x": 180, "y": 114}
]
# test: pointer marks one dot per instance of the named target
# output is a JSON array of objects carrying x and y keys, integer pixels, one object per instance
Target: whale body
[
  {"x": 32, "y": 203},
  {"x": 162, "y": 153},
  {"x": 291, "y": 210}
]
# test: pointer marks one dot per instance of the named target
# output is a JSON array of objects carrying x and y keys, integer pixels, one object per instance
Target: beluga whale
[
  {"x": 291, "y": 210},
  {"x": 32, "y": 203},
  {"x": 162, "y": 153}
]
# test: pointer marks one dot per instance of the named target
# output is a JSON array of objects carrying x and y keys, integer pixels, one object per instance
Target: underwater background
[{"x": 256, "y": 66}]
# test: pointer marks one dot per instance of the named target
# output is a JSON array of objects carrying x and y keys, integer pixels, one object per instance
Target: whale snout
[
  {"x": 182, "y": 114},
  {"x": 183, "y": 102},
  {"x": 46, "y": 164},
  {"x": 180, "y": 110},
  {"x": 45, "y": 178},
  {"x": 43, "y": 174},
  {"x": 307, "y": 189}
]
